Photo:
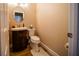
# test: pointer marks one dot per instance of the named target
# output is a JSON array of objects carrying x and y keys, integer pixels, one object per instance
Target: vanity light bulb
[{"x": 23, "y": 4}]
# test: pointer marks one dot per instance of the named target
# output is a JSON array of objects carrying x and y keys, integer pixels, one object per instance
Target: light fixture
[
  {"x": 23, "y": 4},
  {"x": 20, "y": 4}
]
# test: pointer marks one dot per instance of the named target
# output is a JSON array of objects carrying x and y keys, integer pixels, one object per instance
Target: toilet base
[{"x": 34, "y": 46}]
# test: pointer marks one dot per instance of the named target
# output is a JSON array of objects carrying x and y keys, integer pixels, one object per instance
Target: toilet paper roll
[{"x": 67, "y": 45}]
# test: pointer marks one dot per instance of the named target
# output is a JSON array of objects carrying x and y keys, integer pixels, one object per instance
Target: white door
[
  {"x": 72, "y": 28},
  {"x": 4, "y": 40}
]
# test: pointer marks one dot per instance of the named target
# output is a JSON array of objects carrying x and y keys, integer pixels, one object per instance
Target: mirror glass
[{"x": 18, "y": 16}]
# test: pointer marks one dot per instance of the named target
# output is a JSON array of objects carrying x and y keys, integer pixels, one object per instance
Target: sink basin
[{"x": 19, "y": 28}]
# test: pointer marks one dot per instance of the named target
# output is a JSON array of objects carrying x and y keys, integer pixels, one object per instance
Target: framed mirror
[{"x": 18, "y": 14}]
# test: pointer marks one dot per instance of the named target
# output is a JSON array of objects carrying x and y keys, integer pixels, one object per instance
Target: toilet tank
[{"x": 32, "y": 32}]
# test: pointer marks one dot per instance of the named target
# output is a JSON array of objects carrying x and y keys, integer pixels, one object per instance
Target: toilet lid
[{"x": 35, "y": 38}]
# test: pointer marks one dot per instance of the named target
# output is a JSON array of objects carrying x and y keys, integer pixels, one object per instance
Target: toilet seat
[{"x": 35, "y": 39}]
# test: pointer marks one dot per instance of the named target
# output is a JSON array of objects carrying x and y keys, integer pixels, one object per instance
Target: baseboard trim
[{"x": 51, "y": 52}]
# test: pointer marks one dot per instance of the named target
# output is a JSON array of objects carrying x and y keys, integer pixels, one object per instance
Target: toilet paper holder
[{"x": 69, "y": 35}]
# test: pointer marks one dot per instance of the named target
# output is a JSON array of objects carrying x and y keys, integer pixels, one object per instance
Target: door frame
[
  {"x": 4, "y": 39},
  {"x": 72, "y": 28}
]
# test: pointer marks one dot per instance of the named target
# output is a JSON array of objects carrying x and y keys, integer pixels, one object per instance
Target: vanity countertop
[{"x": 19, "y": 28}]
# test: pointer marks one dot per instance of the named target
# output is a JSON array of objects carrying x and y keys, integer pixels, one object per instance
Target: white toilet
[{"x": 35, "y": 40}]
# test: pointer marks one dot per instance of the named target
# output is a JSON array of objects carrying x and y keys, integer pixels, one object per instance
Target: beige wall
[
  {"x": 29, "y": 15},
  {"x": 52, "y": 26}
]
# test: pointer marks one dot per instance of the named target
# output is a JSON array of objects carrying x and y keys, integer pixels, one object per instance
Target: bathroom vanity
[
  {"x": 20, "y": 35},
  {"x": 20, "y": 38}
]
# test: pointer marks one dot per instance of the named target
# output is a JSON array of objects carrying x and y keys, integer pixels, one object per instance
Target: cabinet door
[
  {"x": 20, "y": 40},
  {"x": 15, "y": 40}
]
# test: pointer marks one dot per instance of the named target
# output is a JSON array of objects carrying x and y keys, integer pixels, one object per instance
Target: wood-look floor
[{"x": 25, "y": 52}]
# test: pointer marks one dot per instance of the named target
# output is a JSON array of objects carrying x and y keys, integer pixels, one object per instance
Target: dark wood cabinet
[{"x": 20, "y": 40}]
